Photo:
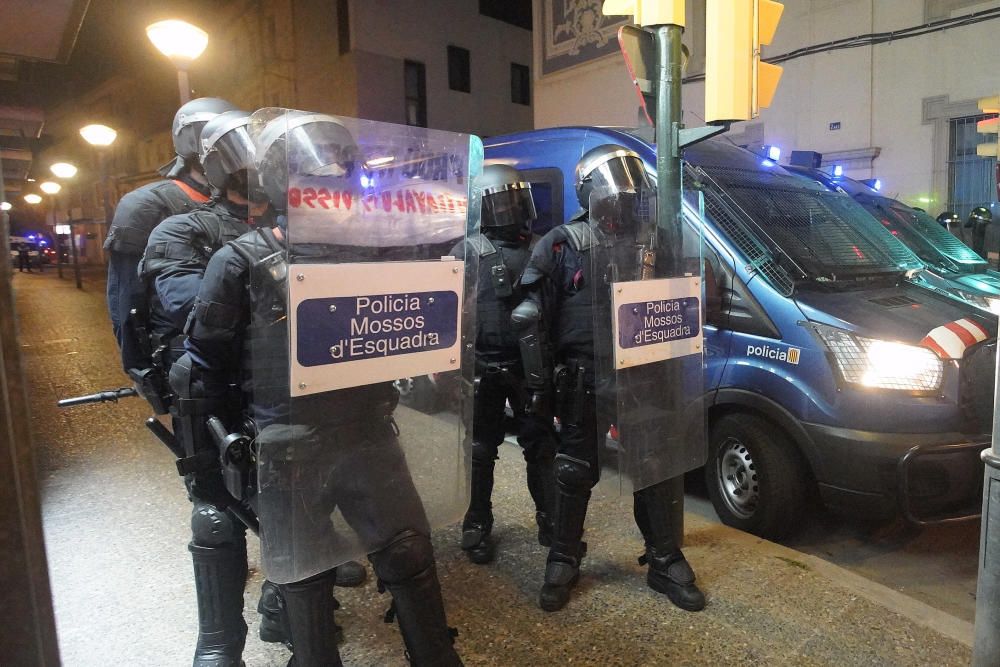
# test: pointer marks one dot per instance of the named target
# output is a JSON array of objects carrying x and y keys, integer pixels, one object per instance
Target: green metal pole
[{"x": 668, "y": 210}]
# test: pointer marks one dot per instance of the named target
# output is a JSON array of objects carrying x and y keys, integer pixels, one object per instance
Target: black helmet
[
  {"x": 948, "y": 218},
  {"x": 227, "y": 152},
  {"x": 979, "y": 216},
  {"x": 189, "y": 121},
  {"x": 616, "y": 177},
  {"x": 302, "y": 143},
  {"x": 507, "y": 201}
]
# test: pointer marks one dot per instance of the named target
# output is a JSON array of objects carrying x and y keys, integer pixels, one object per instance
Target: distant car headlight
[
  {"x": 882, "y": 364},
  {"x": 988, "y": 303}
]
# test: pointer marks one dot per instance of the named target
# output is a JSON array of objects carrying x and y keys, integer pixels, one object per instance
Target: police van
[
  {"x": 950, "y": 266},
  {"x": 828, "y": 373}
]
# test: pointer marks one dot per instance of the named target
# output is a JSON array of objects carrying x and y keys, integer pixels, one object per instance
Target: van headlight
[{"x": 882, "y": 364}]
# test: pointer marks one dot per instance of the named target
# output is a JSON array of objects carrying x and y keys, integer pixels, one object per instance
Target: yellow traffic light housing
[
  {"x": 737, "y": 83},
  {"x": 990, "y": 126},
  {"x": 647, "y": 12}
]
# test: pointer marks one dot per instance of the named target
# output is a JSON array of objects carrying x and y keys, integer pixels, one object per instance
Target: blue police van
[
  {"x": 827, "y": 372},
  {"x": 952, "y": 267}
]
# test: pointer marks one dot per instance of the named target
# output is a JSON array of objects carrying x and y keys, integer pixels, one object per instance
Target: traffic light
[
  {"x": 989, "y": 127},
  {"x": 737, "y": 83},
  {"x": 647, "y": 12}
]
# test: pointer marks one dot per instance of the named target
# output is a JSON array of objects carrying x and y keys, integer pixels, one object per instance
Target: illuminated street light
[
  {"x": 63, "y": 170},
  {"x": 182, "y": 43},
  {"x": 98, "y": 135},
  {"x": 5, "y": 206},
  {"x": 50, "y": 187},
  {"x": 32, "y": 198}
]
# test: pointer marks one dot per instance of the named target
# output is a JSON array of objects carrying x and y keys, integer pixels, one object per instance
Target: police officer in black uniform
[
  {"x": 979, "y": 221},
  {"x": 503, "y": 251},
  {"x": 237, "y": 332},
  {"x": 563, "y": 280},
  {"x": 184, "y": 188},
  {"x": 949, "y": 220}
]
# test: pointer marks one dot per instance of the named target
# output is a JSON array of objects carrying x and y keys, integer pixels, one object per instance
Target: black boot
[
  {"x": 271, "y": 607},
  {"x": 219, "y": 577},
  {"x": 542, "y": 487},
  {"x": 309, "y": 606},
  {"x": 416, "y": 599},
  {"x": 562, "y": 570},
  {"x": 478, "y": 522},
  {"x": 669, "y": 572}
]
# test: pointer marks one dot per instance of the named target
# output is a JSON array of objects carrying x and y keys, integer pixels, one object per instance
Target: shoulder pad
[
  {"x": 481, "y": 245},
  {"x": 173, "y": 197},
  {"x": 580, "y": 236}
]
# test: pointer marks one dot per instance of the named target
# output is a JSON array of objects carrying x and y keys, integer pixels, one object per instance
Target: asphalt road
[{"x": 116, "y": 517}]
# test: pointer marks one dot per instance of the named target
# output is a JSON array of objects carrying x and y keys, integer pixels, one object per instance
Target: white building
[{"x": 902, "y": 111}]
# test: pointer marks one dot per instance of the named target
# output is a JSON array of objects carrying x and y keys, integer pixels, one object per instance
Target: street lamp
[
  {"x": 5, "y": 206},
  {"x": 98, "y": 135},
  {"x": 63, "y": 170},
  {"x": 32, "y": 198},
  {"x": 182, "y": 43},
  {"x": 50, "y": 187}
]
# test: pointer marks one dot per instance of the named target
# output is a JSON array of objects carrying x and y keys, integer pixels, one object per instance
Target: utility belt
[{"x": 488, "y": 367}]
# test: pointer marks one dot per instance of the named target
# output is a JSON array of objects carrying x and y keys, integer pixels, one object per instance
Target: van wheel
[{"x": 756, "y": 479}]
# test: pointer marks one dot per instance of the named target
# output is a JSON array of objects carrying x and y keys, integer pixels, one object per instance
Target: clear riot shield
[
  {"x": 648, "y": 335},
  {"x": 374, "y": 219}
]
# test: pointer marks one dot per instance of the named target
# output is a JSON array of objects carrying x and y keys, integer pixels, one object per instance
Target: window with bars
[{"x": 971, "y": 179}]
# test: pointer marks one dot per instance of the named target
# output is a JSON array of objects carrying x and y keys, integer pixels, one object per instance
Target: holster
[
  {"x": 152, "y": 385},
  {"x": 571, "y": 393}
]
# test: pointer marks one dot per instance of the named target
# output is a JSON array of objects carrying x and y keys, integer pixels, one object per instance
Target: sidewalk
[{"x": 116, "y": 524}]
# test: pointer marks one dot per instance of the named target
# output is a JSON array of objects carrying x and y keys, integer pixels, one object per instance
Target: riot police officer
[
  {"x": 567, "y": 278},
  {"x": 949, "y": 220},
  {"x": 503, "y": 250},
  {"x": 237, "y": 332},
  {"x": 183, "y": 189},
  {"x": 978, "y": 222}
]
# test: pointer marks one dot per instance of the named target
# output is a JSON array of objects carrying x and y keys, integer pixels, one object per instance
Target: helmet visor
[
  {"x": 508, "y": 205},
  {"x": 321, "y": 149},
  {"x": 620, "y": 174},
  {"x": 235, "y": 150}
]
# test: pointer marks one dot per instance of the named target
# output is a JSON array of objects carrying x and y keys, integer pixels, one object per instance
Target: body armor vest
[
  {"x": 501, "y": 264},
  {"x": 143, "y": 209}
]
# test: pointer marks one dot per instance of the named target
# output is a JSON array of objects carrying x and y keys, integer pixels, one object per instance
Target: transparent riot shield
[
  {"x": 372, "y": 220},
  {"x": 646, "y": 290}
]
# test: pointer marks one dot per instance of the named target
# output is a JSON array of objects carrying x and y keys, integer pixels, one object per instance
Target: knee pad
[
  {"x": 214, "y": 527},
  {"x": 483, "y": 454},
  {"x": 574, "y": 474},
  {"x": 409, "y": 554}
]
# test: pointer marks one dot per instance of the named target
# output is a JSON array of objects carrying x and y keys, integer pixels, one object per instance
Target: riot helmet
[
  {"x": 508, "y": 208},
  {"x": 189, "y": 121},
  {"x": 948, "y": 219},
  {"x": 305, "y": 144},
  {"x": 227, "y": 154},
  {"x": 611, "y": 183},
  {"x": 979, "y": 216}
]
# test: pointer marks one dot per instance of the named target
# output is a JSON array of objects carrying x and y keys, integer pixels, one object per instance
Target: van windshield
[
  {"x": 931, "y": 241},
  {"x": 824, "y": 236}
]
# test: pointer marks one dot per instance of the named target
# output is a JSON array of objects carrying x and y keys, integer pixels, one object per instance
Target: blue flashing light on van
[{"x": 826, "y": 370}]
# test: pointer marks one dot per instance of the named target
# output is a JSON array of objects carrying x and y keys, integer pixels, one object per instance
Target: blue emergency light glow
[
  {"x": 31, "y": 237},
  {"x": 838, "y": 170},
  {"x": 367, "y": 181},
  {"x": 774, "y": 153},
  {"x": 43, "y": 242},
  {"x": 767, "y": 163},
  {"x": 877, "y": 185}
]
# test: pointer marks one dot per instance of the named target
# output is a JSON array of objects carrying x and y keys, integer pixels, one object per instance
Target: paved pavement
[{"x": 116, "y": 529}]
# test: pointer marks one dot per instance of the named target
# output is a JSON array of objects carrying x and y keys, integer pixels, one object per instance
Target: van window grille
[{"x": 828, "y": 235}]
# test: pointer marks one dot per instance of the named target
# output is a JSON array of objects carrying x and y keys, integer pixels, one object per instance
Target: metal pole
[
  {"x": 184, "y": 86},
  {"x": 986, "y": 650},
  {"x": 76, "y": 260},
  {"x": 103, "y": 162},
  {"x": 668, "y": 210}
]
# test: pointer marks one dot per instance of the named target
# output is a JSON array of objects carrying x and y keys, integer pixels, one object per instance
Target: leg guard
[
  {"x": 669, "y": 572},
  {"x": 563, "y": 567},
  {"x": 478, "y": 522},
  {"x": 539, "y": 467},
  {"x": 309, "y": 606},
  {"x": 219, "y": 551},
  {"x": 273, "y": 620},
  {"x": 406, "y": 568}
]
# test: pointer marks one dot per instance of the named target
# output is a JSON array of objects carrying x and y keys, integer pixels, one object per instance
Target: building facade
[{"x": 903, "y": 110}]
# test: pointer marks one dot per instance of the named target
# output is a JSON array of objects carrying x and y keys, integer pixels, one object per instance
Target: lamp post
[
  {"x": 101, "y": 136},
  {"x": 182, "y": 43},
  {"x": 65, "y": 171}
]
